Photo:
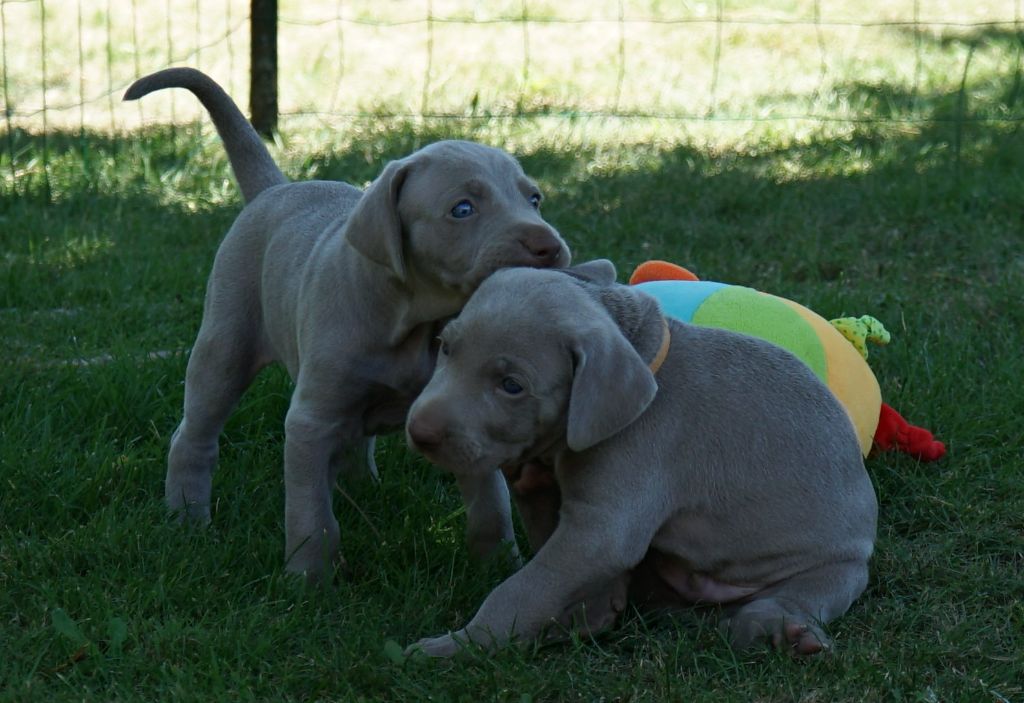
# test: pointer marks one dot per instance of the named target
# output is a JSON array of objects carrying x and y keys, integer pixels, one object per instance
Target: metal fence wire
[{"x": 67, "y": 62}]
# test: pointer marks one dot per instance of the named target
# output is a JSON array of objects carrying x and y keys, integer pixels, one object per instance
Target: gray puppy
[
  {"x": 347, "y": 289},
  {"x": 708, "y": 467}
]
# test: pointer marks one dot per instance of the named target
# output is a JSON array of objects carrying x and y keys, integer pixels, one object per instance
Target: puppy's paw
[
  {"x": 193, "y": 515},
  {"x": 188, "y": 504},
  {"x": 442, "y": 646},
  {"x": 801, "y": 639},
  {"x": 764, "y": 622}
]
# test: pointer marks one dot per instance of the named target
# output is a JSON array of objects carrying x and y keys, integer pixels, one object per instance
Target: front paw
[
  {"x": 443, "y": 646},
  {"x": 317, "y": 556}
]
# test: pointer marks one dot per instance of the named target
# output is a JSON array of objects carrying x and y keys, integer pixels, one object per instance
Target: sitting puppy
[
  {"x": 347, "y": 289},
  {"x": 708, "y": 466}
]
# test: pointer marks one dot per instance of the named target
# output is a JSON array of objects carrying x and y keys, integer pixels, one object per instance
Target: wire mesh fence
[{"x": 66, "y": 64}]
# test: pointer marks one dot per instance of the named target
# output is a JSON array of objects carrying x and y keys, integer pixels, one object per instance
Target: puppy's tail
[{"x": 254, "y": 168}]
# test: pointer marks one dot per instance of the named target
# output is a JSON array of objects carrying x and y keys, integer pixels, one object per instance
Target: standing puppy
[
  {"x": 347, "y": 289},
  {"x": 708, "y": 466}
]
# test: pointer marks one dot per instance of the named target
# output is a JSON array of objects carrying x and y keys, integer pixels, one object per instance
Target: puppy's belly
[{"x": 693, "y": 586}]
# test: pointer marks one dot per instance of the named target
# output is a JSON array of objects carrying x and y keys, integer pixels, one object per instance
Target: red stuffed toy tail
[{"x": 894, "y": 432}]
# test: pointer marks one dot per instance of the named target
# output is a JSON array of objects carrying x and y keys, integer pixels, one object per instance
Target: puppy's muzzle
[
  {"x": 425, "y": 433},
  {"x": 431, "y": 432},
  {"x": 544, "y": 247}
]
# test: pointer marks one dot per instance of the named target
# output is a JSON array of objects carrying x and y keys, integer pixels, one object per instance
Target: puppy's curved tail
[{"x": 254, "y": 168}]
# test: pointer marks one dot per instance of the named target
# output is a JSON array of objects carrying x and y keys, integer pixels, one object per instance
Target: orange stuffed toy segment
[{"x": 660, "y": 271}]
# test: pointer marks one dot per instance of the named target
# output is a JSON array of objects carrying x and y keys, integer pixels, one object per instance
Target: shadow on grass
[{"x": 913, "y": 221}]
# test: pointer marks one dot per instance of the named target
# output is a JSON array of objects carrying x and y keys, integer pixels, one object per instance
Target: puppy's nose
[
  {"x": 545, "y": 248},
  {"x": 424, "y": 433}
]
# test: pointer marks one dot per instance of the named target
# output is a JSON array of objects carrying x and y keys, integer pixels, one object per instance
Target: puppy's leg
[
  {"x": 319, "y": 436},
  {"x": 488, "y": 514},
  {"x": 221, "y": 366},
  {"x": 537, "y": 499},
  {"x": 790, "y": 614},
  {"x": 588, "y": 547}
]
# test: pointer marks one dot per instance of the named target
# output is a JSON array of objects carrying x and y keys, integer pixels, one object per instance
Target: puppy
[
  {"x": 346, "y": 289},
  {"x": 708, "y": 466}
]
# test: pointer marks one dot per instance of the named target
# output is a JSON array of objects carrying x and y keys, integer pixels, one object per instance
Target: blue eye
[
  {"x": 511, "y": 386},
  {"x": 462, "y": 209},
  {"x": 535, "y": 200}
]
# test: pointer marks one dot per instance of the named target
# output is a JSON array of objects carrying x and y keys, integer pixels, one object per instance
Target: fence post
[{"x": 263, "y": 66}]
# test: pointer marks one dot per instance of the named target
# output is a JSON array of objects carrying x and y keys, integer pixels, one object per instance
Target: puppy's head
[
  {"x": 537, "y": 361},
  {"x": 453, "y": 213}
]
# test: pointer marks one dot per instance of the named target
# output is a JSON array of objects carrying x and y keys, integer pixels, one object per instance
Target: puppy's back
[{"x": 748, "y": 437}]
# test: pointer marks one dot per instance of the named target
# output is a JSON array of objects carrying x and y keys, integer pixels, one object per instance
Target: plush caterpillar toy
[{"x": 836, "y": 351}]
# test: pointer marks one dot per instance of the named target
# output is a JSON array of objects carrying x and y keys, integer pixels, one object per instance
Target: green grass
[{"x": 919, "y": 223}]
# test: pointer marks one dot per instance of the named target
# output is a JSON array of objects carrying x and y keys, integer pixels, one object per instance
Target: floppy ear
[
  {"x": 611, "y": 387},
  {"x": 374, "y": 228},
  {"x": 600, "y": 272}
]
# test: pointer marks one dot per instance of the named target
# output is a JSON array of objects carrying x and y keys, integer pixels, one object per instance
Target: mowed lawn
[{"x": 102, "y": 270}]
